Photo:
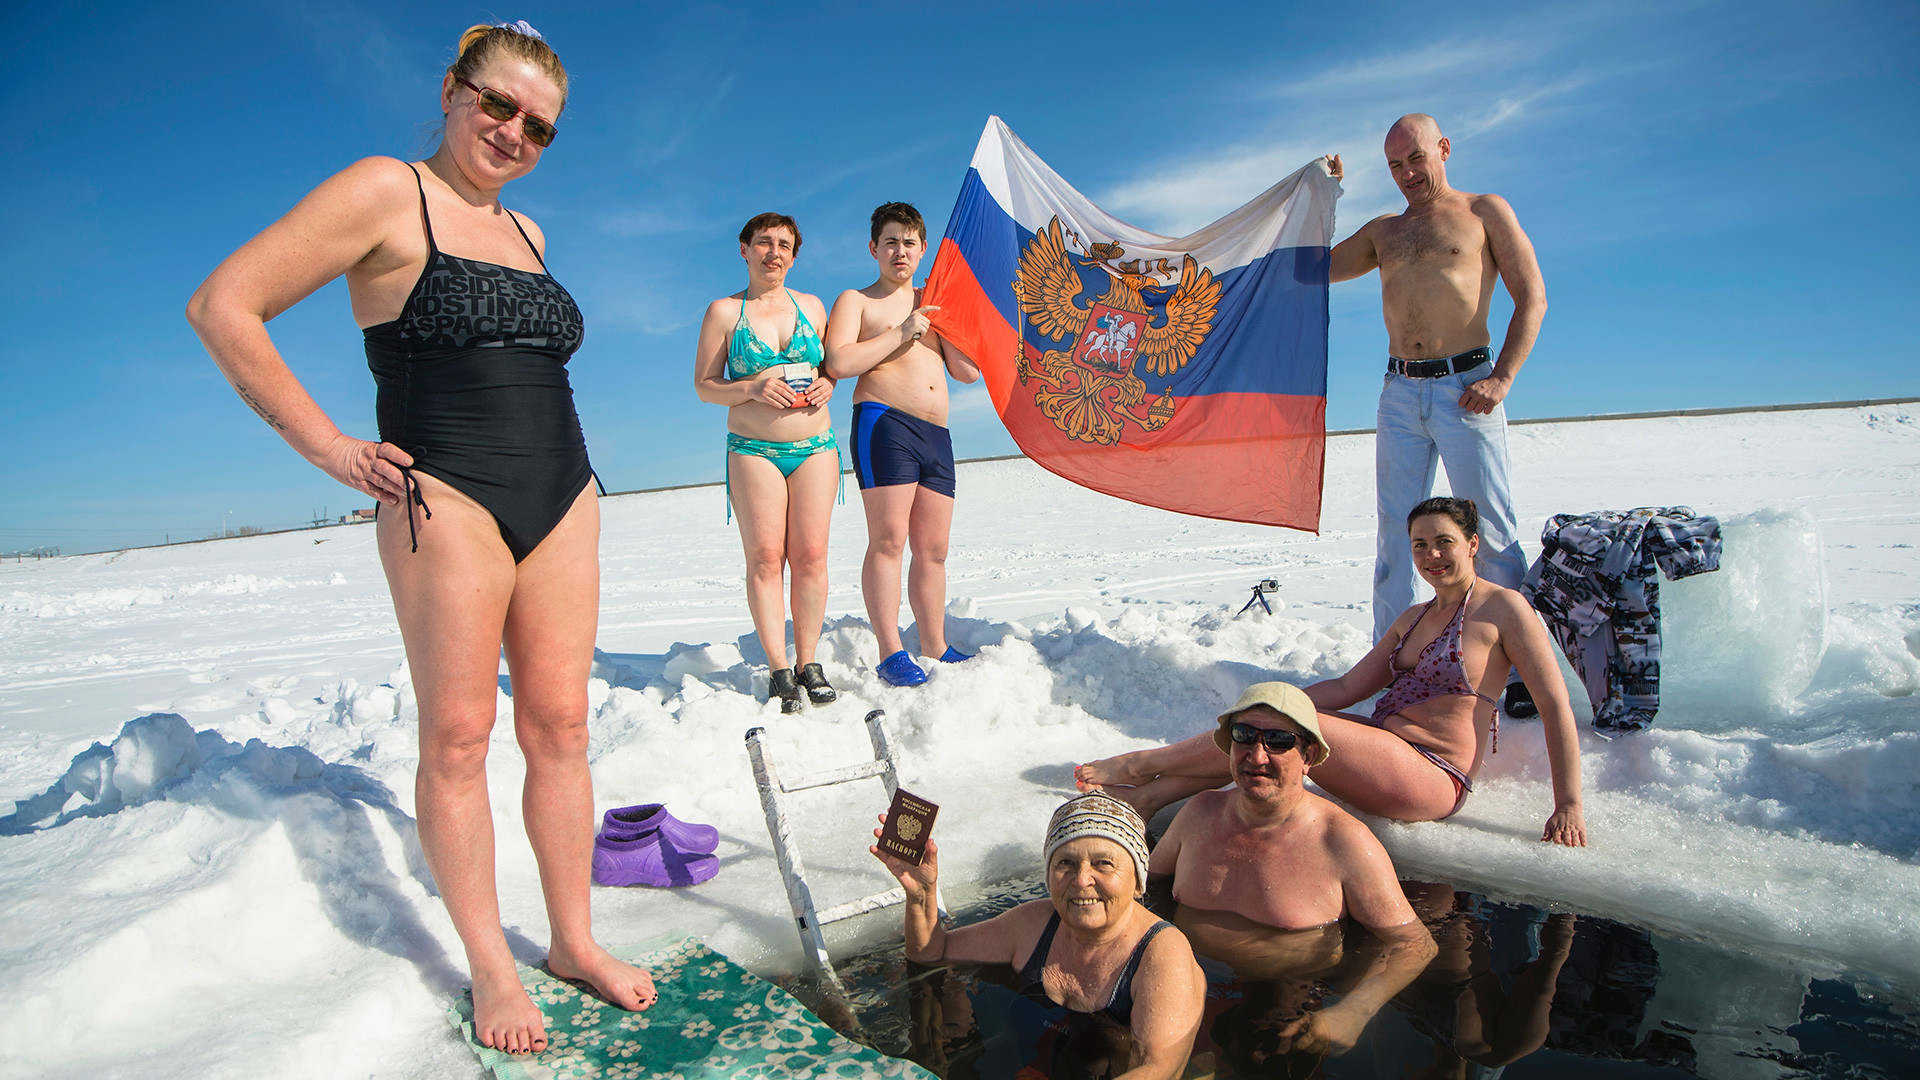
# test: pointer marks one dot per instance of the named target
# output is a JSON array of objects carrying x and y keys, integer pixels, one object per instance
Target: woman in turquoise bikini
[{"x": 783, "y": 464}]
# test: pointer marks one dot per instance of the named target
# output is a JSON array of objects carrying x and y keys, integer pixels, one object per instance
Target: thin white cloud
[
  {"x": 1492, "y": 88},
  {"x": 1416, "y": 65}
]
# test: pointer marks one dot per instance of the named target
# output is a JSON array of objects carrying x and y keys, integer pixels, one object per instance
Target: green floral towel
[{"x": 714, "y": 1020}]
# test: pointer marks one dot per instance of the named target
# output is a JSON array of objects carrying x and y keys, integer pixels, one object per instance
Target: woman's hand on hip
[{"x": 373, "y": 468}]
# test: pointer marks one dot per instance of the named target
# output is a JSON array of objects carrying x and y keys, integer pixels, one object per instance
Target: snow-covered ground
[{"x": 234, "y": 889}]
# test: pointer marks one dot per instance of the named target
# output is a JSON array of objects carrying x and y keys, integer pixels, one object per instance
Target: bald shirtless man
[
  {"x": 1444, "y": 388},
  {"x": 1264, "y": 871},
  {"x": 902, "y": 452}
]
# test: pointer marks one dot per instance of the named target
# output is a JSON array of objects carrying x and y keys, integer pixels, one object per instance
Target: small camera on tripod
[{"x": 1261, "y": 589}]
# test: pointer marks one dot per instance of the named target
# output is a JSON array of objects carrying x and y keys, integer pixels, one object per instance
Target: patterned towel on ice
[{"x": 714, "y": 1020}]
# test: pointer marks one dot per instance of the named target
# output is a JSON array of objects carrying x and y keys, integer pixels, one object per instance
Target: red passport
[{"x": 909, "y": 823}]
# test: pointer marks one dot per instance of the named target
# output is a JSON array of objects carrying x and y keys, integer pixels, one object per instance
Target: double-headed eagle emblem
[{"x": 1088, "y": 388}]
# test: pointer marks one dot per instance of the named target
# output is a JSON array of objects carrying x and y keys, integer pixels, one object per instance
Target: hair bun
[{"x": 472, "y": 37}]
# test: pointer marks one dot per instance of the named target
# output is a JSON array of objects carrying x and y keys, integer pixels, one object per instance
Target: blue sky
[{"x": 1722, "y": 196}]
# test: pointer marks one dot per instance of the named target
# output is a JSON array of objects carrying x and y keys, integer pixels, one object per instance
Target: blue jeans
[{"x": 1421, "y": 424}]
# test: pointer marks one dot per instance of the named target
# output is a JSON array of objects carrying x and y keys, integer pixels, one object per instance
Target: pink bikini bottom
[{"x": 1461, "y": 785}]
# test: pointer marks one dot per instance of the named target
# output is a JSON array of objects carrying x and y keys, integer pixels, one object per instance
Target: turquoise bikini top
[{"x": 747, "y": 354}]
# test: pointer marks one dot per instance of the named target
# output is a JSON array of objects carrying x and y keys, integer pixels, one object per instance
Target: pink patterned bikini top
[{"x": 1436, "y": 673}]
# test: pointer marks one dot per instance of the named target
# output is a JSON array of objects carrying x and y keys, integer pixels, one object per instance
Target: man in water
[
  {"x": 1444, "y": 388},
  {"x": 1263, "y": 872},
  {"x": 902, "y": 452}
]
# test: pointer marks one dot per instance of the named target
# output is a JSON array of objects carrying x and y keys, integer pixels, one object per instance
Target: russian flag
[{"x": 1187, "y": 373}]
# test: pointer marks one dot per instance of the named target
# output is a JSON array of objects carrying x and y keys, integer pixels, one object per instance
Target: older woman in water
[
  {"x": 491, "y": 533},
  {"x": 1441, "y": 665},
  {"x": 759, "y": 354},
  {"x": 1090, "y": 947}
]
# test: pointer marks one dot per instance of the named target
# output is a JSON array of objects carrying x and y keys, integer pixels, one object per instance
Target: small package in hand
[{"x": 798, "y": 377}]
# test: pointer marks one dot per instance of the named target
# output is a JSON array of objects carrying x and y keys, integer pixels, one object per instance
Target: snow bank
[
  {"x": 200, "y": 892},
  {"x": 230, "y": 886}
]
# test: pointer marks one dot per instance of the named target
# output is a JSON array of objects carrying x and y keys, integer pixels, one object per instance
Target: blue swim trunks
[{"x": 892, "y": 447}]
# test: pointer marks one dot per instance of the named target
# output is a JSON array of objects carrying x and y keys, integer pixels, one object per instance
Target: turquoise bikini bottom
[{"x": 786, "y": 456}]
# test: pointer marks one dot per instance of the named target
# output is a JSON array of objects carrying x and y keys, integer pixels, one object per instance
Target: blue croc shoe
[
  {"x": 954, "y": 656},
  {"x": 900, "y": 670}
]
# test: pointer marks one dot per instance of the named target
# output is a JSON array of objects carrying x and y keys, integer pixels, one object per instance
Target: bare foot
[
  {"x": 1108, "y": 772},
  {"x": 627, "y": 986},
  {"x": 504, "y": 1017}
]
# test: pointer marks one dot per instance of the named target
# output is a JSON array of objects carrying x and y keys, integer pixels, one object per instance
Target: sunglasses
[
  {"x": 1276, "y": 740},
  {"x": 503, "y": 108}
]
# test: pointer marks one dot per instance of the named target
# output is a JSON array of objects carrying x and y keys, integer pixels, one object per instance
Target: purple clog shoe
[
  {"x": 632, "y": 822},
  {"x": 649, "y": 860}
]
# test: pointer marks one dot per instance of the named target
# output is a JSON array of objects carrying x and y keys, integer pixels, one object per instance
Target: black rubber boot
[
  {"x": 819, "y": 691},
  {"x": 780, "y": 684},
  {"x": 1520, "y": 704}
]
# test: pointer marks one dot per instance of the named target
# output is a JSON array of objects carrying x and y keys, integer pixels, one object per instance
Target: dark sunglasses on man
[
  {"x": 1276, "y": 740},
  {"x": 503, "y": 108}
]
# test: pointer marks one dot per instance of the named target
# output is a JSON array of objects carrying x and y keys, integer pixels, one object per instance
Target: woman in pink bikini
[{"x": 1415, "y": 757}]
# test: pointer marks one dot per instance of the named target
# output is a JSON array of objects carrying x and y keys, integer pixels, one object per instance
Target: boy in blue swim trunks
[{"x": 902, "y": 453}]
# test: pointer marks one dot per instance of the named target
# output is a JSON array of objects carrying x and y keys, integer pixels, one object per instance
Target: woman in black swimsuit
[
  {"x": 1091, "y": 946},
  {"x": 491, "y": 535}
]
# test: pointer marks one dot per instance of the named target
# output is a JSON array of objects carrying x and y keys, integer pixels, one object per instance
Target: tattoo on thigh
[{"x": 260, "y": 407}]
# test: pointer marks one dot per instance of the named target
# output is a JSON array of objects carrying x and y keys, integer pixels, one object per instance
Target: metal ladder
[{"x": 773, "y": 791}]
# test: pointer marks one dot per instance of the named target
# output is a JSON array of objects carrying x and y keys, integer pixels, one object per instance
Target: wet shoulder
[
  {"x": 1022, "y": 926},
  {"x": 1168, "y": 947},
  {"x": 1348, "y": 841},
  {"x": 1205, "y": 807},
  {"x": 1025, "y": 922}
]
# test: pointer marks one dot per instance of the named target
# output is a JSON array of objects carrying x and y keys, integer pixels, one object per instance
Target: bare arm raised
[
  {"x": 1354, "y": 256},
  {"x": 1519, "y": 270},
  {"x": 342, "y": 226},
  {"x": 989, "y": 942}
]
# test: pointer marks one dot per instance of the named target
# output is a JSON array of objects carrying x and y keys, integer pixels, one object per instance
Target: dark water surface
[{"x": 1515, "y": 992}]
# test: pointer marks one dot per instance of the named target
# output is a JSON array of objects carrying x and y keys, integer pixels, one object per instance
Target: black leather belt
[{"x": 1433, "y": 369}]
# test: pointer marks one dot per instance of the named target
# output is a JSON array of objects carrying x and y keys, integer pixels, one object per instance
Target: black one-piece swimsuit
[{"x": 472, "y": 381}]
